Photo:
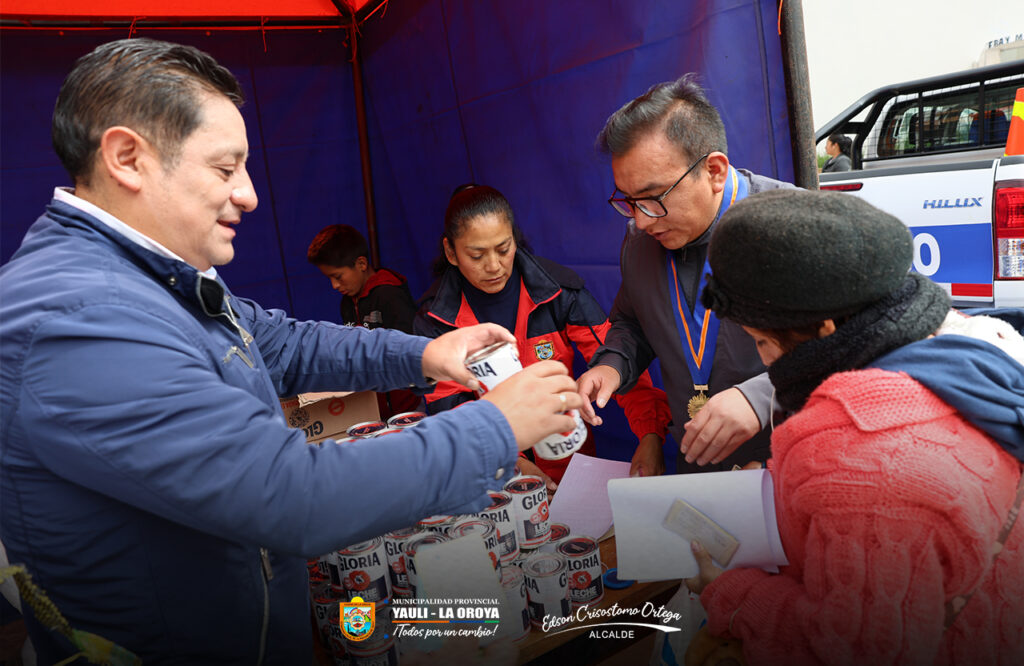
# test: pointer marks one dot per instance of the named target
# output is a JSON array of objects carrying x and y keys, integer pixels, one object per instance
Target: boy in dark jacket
[{"x": 374, "y": 298}]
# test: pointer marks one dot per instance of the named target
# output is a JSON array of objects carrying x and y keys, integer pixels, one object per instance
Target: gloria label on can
[
  {"x": 547, "y": 586},
  {"x": 530, "y": 502},
  {"x": 394, "y": 546},
  {"x": 364, "y": 570},
  {"x": 563, "y": 444},
  {"x": 494, "y": 364},
  {"x": 502, "y": 512},
  {"x": 415, "y": 545},
  {"x": 583, "y": 556}
]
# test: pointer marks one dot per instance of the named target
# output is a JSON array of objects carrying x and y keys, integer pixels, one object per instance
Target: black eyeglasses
[{"x": 649, "y": 206}]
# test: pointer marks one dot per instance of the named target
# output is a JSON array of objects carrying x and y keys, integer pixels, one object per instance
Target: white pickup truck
[{"x": 931, "y": 153}]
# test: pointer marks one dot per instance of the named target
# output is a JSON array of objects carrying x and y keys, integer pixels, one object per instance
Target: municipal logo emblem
[
  {"x": 357, "y": 619},
  {"x": 544, "y": 350}
]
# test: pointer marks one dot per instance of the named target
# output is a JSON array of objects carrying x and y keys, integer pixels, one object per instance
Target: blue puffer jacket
[{"x": 144, "y": 462}]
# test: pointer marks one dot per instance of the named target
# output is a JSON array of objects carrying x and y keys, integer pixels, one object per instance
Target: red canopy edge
[{"x": 232, "y": 11}]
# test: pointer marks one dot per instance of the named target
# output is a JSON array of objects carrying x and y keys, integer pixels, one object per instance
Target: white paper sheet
[
  {"x": 457, "y": 569},
  {"x": 581, "y": 501},
  {"x": 740, "y": 501}
]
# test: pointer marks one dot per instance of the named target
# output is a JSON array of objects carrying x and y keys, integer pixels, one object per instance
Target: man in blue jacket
[{"x": 148, "y": 480}]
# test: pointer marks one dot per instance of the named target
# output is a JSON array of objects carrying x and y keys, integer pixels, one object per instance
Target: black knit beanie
[{"x": 788, "y": 258}]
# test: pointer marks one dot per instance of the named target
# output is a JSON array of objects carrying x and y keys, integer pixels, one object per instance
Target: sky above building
[{"x": 856, "y": 46}]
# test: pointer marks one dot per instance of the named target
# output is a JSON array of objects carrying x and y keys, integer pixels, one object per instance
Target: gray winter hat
[{"x": 787, "y": 258}]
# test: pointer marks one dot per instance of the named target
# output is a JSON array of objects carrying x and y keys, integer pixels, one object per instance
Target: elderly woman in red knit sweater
[{"x": 898, "y": 469}]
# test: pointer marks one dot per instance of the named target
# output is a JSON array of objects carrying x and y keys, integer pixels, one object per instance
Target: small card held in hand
[{"x": 692, "y": 525}]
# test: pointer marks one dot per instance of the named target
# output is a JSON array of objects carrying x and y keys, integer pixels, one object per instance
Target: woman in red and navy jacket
[{"x": 488, "y": 275}]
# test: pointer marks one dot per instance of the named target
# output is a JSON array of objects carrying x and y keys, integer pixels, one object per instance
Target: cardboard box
[{"x": 328, "y": 415}]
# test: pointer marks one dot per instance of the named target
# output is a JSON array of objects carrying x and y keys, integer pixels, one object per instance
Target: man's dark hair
[
  {"x": 150, "y": 86},
  {"x": 679, "y": 108},
  {"x": 469, "y": 201},
  {"x": 338, "y": 245}
]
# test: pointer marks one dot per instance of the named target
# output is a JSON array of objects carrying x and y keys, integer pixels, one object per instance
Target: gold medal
[{"x": 698, "y": 401}]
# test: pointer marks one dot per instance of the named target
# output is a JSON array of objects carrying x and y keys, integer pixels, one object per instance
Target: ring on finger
[{"x": 561, "y": 396}]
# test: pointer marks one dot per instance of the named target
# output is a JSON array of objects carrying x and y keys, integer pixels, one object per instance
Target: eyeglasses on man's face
[{"x": 649, "y": 206}]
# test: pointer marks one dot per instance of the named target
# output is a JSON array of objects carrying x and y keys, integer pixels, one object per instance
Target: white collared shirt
[{"x": 66, "y": 195}]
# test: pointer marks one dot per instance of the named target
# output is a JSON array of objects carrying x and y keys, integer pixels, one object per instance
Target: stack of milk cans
[
  {"x": 543, "y": 569},
  {"x": 361, "y": 570}
]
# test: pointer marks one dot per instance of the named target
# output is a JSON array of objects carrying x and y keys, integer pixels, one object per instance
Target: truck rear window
[{"x": 963, "y": 117}]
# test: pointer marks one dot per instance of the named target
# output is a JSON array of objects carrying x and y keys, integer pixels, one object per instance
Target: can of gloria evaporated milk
[
  {"x": 494, "y": 364},
  {"x": 563, "y": 444},
  {"x": 502, "y": 512},
  {"x": 584, "y": 559},
  {"x": 547, "y": 586},
  {"x": 530, "y": 502},
  {"x": 364, "y": 571}
]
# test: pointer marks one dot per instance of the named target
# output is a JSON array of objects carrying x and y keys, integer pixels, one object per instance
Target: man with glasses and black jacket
[{"x": 673, "y": 180}]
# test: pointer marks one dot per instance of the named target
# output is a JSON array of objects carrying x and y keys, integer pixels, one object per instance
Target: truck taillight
[{"x": 1009, "y": 230}]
